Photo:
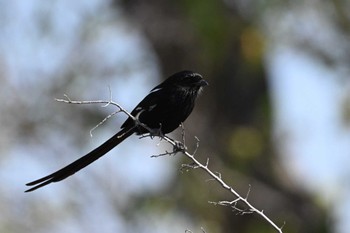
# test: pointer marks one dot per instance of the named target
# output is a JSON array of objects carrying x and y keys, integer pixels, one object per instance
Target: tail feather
[{"x": 83, "y": 161}]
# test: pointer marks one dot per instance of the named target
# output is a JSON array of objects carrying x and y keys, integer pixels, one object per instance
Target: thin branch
[
  {"x": 103, "y": 121},
  {"x": 106, "y": 103},
  {"x": 181, "y": 147},
  {"x": 227, "y": 187},
  {"x": 189, "y": 231},
  {"x": 110, "y": 102}
]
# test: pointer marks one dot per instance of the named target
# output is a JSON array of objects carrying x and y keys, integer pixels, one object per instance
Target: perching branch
[{"x": 179, "y": 146}]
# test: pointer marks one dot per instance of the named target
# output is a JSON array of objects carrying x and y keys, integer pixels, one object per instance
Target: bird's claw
[
  {"x": 156, "y": 133},
  {"x": 179, "y": 147}
]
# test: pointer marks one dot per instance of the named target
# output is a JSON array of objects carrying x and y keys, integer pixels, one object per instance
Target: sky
[
  {"x": 37, "y": 47},
  {"x": 308, "y": 98}
]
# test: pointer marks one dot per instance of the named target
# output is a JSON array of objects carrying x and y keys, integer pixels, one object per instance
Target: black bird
[{"x": 162, "y": 110}]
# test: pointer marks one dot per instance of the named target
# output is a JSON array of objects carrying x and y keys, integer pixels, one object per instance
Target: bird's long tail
[{"x": 83, "y": 161}]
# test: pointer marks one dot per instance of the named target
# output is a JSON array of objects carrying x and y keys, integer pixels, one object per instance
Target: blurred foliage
[
  {"x": 223, "y": 41},
  {"x": 227, "y": 47}
]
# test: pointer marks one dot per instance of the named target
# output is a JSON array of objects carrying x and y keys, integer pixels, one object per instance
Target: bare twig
[
  {"x": 181, "y": 147},
  {"x": 189, "y": 231},
  {"x": 103, "y": 121},
  {"x": 251, "y": 208},
  {"x": 106, "y": 103}
]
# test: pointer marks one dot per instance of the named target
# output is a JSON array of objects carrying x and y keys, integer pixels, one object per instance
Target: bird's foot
[
  {"x": 156, "y": 133},
  {"x": 179, "y": 147}
]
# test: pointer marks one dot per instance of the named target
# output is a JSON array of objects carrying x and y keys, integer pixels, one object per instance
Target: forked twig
[{"x": 181, "y": 147}]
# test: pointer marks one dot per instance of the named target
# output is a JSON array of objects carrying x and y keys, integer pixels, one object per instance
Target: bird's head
[{"x": 183, "y": 79}]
